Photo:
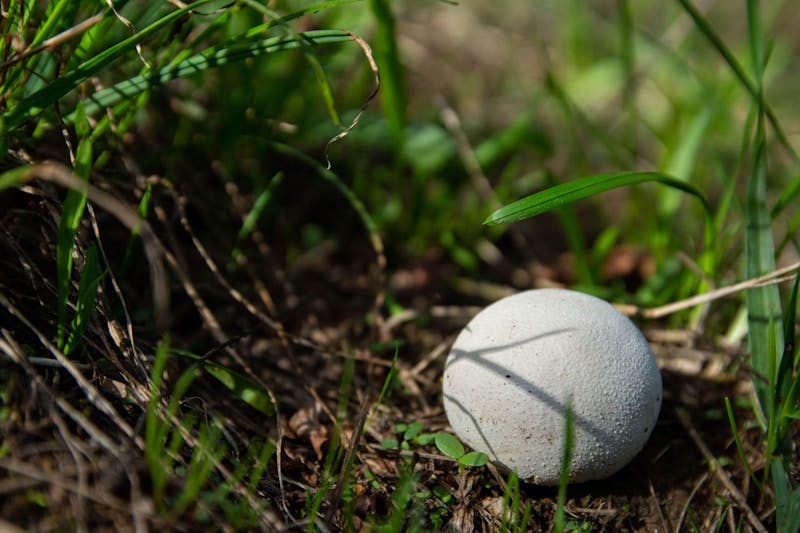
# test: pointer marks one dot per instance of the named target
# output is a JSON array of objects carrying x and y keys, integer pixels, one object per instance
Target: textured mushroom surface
[{"x": 516, "y": 366}]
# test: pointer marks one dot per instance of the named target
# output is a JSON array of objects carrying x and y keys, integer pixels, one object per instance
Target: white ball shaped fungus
[{"x": 521, "y": 361}]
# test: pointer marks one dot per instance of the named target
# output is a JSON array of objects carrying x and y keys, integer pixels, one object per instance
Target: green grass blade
[
  {"x": 205, "y": 456},
  {"x": 387, "y": 56},
  {"x": 14, "y": 177},
  {"x": 789, "y": 386},
  {"x": 325, "y": 88},
  {"x": 787, "y": 197},
  {"x": 259, "y": 205},
  {"x": 684, "y": 157},
  {"x": 156, "y": 429},
  {"x": 71, "y": 215},
  {"x": 34, "y": 104},
  {"x": 209, "y": 58},
  {"x": 366, "y": 219},
  {"x": 739, "y": 446},
  {"x": 716, "y": 41},
  {"x": 566, "y": 459},
  {"x": 787, "y": 501},
  {"x": 765, "y": 333},
  {"x": 240, "y": 386},
  {"x": 581, "y": 188},
  {"x": 84, "y": 306}
]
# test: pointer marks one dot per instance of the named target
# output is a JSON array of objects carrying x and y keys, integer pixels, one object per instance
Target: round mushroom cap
[{"x": 518, "y": 365}]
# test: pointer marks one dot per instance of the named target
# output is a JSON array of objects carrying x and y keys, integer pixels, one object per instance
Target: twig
[
  {"x": 15, "y": 353},
  {"x": 658, "y": 504},
  {"x": 91, "y": 392},
  {"x": 719, "y": 471},
  {"x": 467, "y": 154},
  {"x": 780, "y": 275}
]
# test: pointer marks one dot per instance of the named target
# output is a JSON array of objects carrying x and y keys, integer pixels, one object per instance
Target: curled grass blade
[{"x": 581, "y": 188}]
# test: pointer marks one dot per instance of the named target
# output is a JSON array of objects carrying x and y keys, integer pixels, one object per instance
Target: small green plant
[{"x": 412, "y": 434}]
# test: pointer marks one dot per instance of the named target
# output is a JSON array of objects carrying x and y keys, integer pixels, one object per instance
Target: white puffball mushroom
[{"x": 522, "y": 360}]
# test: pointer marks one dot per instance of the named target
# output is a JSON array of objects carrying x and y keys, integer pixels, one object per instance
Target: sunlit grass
[{"x": 673, "y": 116}]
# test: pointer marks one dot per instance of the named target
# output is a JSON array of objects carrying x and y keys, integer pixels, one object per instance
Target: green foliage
[
  {"x": 239, "y": 386},
  {"x": 71, "y": 216},
  {"x": 393, "y": 90},
  {"x": 84, "y": 306},
  {"x": 183, "y": 451}
]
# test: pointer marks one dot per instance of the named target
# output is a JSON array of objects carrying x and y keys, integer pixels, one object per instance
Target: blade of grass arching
[
  {"x": 708, "y": 31},
  {"x": 71, "y": 215},
  {"x": 581, "y": 188},
  {"x": 239, "y": 386},
  {"x": 566, "y": 460},
  {"x": 366, "y": 219},
  {"x": 209, "y": 58},
  {"x": 387, "y": 55},
  {"x": 34, "y": 104},
  {"x": 324, "y": 88},
  {"x": 84, "y": 306}
]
